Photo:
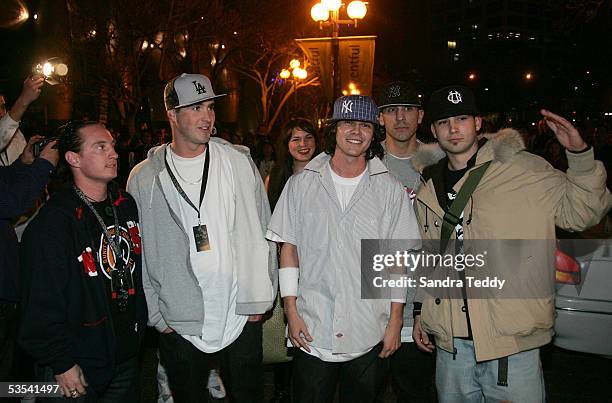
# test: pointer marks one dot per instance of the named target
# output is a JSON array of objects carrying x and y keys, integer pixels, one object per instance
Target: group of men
[{"x": 192, "y": 246}]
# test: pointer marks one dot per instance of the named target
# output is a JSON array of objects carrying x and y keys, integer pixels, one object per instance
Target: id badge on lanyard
[{"x": 200, "y": 232}]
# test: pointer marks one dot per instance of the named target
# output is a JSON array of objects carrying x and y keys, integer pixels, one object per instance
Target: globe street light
[
  {"x": 319, "y": 12},
  {"x": 330, "y": 10},
  {"x": 285, "y": 74},
  {"x": 300, "y": 73},
  {"x": 295, "y": 74},
  {"x": 356, "y": 10}
]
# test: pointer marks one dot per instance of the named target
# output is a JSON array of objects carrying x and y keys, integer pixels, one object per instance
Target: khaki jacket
[{"x": 521, "y": 196}]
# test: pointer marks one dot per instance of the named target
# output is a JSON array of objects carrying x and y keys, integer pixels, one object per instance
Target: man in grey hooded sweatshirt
[{"x": 208, "y": 272}]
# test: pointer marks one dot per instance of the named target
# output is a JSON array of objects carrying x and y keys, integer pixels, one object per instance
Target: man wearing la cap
[
  {"x": 342, "y": 196},
  {"x": 209, "y": 273},
  {"x": 488, "y": 348},
  {"x": 400, "y": 115}
]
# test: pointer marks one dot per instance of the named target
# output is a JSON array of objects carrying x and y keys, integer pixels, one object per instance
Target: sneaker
[{"x": 215, "y": 385}]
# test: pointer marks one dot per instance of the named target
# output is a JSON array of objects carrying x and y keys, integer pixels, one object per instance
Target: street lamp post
[
  {"x": 295, "y": 73},
  {"x": 330, "y": 10}
]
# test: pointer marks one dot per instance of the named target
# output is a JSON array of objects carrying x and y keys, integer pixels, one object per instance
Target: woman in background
[{"x": 297, "y": 146}]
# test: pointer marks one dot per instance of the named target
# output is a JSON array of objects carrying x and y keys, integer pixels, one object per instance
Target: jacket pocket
[
  {"x": 521, "y": 317},
  {"x": 92, "y": 339},
  {"x": 435, "y": 318}
]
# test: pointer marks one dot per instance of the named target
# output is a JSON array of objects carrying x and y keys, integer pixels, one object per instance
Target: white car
[{"x": 584, "y": 297}]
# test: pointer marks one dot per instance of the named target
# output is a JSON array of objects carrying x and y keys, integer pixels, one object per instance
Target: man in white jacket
[{"x": 209, "y": 273}]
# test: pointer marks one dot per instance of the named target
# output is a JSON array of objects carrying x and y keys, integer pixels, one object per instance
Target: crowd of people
[{"x": 206, "y": 233}]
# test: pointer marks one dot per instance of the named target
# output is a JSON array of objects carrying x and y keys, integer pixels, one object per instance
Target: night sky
[{"x": 571, "y": 68}]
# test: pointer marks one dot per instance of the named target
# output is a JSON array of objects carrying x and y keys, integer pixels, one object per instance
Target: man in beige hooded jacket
[{"x": 488, "y": 348}]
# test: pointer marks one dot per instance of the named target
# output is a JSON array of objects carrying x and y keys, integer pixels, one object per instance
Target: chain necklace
[
  {"x": 113, "y": 241},
  {"x": 121, "y": 282},
  {"x": 179, "y": 174}
]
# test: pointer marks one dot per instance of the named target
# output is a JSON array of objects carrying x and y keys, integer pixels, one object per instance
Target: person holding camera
[
  {"x": 84, "y": 310},
  {"x": 21, "y": 184},
  {"x": 12, "y": 142}
]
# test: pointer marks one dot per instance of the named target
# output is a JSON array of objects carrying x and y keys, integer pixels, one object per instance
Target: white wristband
[{"x": 288, "y": 278}]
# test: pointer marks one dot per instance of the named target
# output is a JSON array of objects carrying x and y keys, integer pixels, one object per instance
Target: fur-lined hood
[{"x": 501, "y": 146}]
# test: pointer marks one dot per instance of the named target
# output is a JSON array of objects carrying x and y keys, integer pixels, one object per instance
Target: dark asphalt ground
[{"x": 570, "y": 376}]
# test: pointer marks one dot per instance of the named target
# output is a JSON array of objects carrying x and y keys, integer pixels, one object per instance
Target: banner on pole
[
  {"x": 355, "y": 61},
  {"x": 319, "y": 53}
]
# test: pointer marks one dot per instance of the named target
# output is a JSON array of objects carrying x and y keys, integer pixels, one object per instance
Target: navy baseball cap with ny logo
[
  {"x": 188, "y": 89},
  {"x": 355, "y": 107}
]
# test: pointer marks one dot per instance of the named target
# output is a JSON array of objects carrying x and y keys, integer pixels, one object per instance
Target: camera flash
[{"x": 47, "y": 69}]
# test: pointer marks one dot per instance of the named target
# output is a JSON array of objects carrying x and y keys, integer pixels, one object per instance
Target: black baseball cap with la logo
[
  {"x": 188, "y": 89},
  {"x": 454, "y": 100}
]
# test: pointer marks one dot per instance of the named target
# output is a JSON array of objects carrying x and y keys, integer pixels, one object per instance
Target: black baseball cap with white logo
[
  {"x": 454, "y": 100},
  {"x": 188, "y": 89}
]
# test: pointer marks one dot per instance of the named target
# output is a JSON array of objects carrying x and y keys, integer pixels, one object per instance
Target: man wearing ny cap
[
  {"x": 209, "y": 273},
  {"x": 488, "y": 348},
  {"x": 342, "y": 196},
  {"x": 400, "y": 114}
]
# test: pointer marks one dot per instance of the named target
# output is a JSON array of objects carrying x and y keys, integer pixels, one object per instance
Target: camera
[
  {"x": 54, "y": 70},
  {"x": 38, "y": 147}
]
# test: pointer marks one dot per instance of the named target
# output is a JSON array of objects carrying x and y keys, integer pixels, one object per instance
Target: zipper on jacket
[
  {"x": 102, "y": 284},
  {"x": 177, "y": 221}
]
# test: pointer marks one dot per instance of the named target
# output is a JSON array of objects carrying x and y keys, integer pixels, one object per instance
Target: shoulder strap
[{"x": 453, "y": 214}]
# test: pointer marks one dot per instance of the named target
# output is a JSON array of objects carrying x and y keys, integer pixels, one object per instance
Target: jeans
[
  {"x": 412, "y": 374},
  {"x": 241, "y": 367},
  {"x": 465, "y": 380},
  {"x": 314, "y": 380},
  {"x": 123, "y": 387}
]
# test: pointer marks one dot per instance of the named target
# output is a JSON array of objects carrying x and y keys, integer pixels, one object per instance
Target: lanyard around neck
[{"x": 178, "y": 187}]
